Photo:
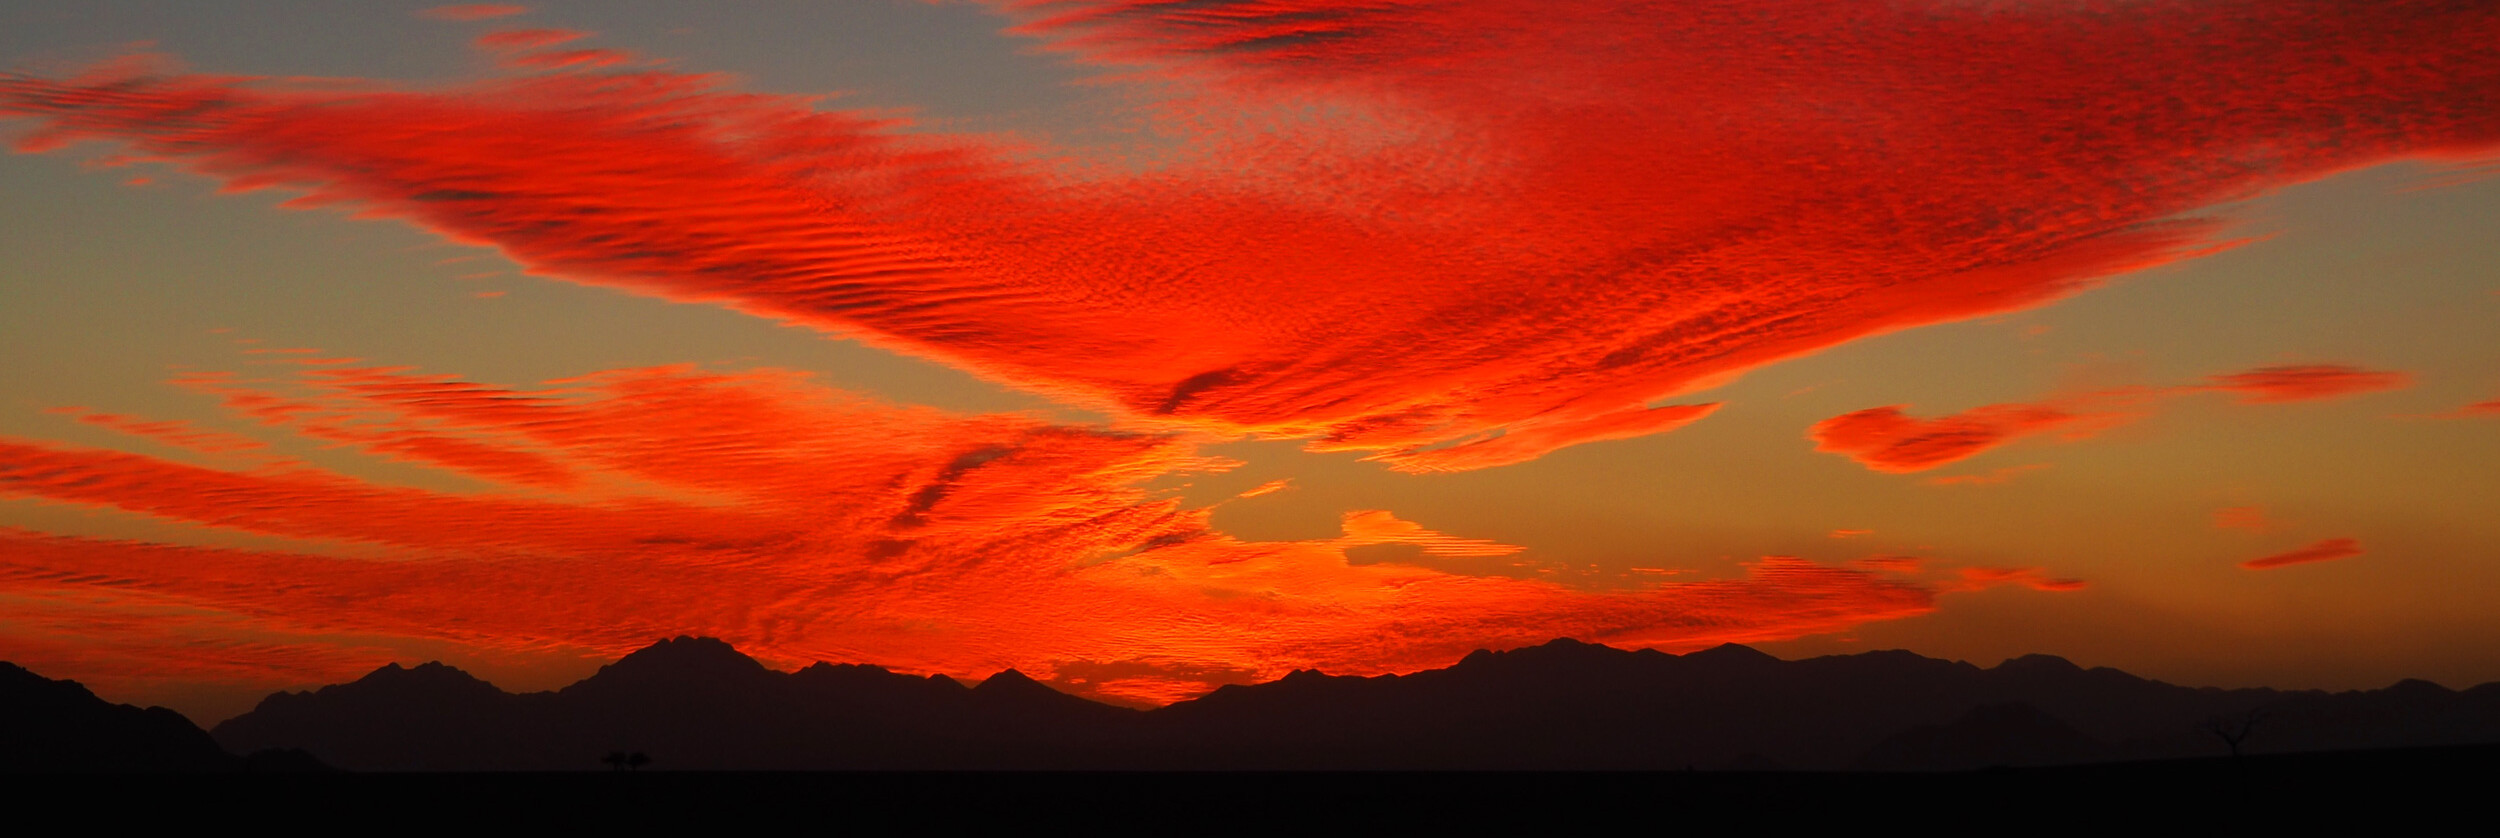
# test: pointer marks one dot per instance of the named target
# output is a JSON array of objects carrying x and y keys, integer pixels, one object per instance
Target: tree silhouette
[
  {"x": 2233, "y": 729},
  {"x": 616, "y": 760},
  {"x": 637, "y": 760}
]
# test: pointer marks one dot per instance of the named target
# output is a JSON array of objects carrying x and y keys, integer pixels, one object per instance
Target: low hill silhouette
[{"x": 697, "y": 703}]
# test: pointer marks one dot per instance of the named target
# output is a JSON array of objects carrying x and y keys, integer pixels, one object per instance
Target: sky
[{"x": 1146, "y": 346}]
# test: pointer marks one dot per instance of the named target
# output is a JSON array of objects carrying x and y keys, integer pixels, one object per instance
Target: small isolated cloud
[
  {"x": 1982, "y": 578},
  {"x": 2252, "y": 518},
  {"x": 2305, "y": 382},
  {"x": 1268, "y": 488},
  {"x": 1372, "y": 526},
  {"x": 2477, "y": 410},
  {"x": 473, "y": 11},
  {"x": 569, "y": 59},
  {"x": 2324, "y": 551},
  {"x": 1888, "y": 440},
  {"x": 1851, "y": 533}
]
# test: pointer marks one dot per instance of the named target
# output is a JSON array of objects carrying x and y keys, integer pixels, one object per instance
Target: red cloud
[
  {"x": 797, "y": 520},
  {"x": 2306, "y": 382},
  {"x": 1886, "y": 439},
  {"x": 177, "y": 434},
  {"x": 2477, "y": 409},
  {"x": 2323, "y": 551},
  {"x": 1494, "y": 246},
  {"x": 1267, "y": 488},
  {"x": 473, "y": 11},
  {"x": 528, "y": 38}
]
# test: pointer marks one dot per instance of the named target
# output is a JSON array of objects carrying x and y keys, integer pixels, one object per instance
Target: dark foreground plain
[{"x": 2393, "y": 787}]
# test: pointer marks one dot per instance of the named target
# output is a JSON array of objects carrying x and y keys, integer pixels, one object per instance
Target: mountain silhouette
[
  {"x": 49, "y": 726},
  {"x": 697, "y": 703}
]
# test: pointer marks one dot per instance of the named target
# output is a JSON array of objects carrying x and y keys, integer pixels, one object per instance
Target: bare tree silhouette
[{"x": 2233, "y": 728}]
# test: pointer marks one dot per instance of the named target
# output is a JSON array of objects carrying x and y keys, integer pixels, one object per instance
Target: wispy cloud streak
[
  {"x": 1889, "y": 440},
  {"x": 2324, "y": 551}
]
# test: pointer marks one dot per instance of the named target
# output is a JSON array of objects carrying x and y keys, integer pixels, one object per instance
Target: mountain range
[{"x": 697, "y": 703}]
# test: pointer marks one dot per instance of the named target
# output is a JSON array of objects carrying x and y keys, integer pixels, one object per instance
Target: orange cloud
[
  {"x": 1494, "y": 247},
  {"x": 799, "y": 521},
  {"x": 1372, "y": 526},
  {"x": 1888, "y": 440},
  {"x": 1982, "y": 578},
  {"x": 177, "y": 434},
  {"x": 2324, "y": 551},
  {"x": 1267, "y": 488},
  {"x": 2475, "y": 410}
]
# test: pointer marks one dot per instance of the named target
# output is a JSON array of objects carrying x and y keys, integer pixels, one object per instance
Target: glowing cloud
[
  {"x": 2475, "y": 410},
  {"x": 1982, "y": 578},
  {"x": 799, "y": 521},
  {"x": 1888, "y": 440},
  {"x": 1267, "y": 488},
  {"x": 2324, "y": 551},
  {"x": 2305, "y": 382},
  {"x": 1493, "y": 245}
]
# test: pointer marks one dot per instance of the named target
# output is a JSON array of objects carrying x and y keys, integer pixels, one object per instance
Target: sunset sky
[{"x": 1152, "y": 345}]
